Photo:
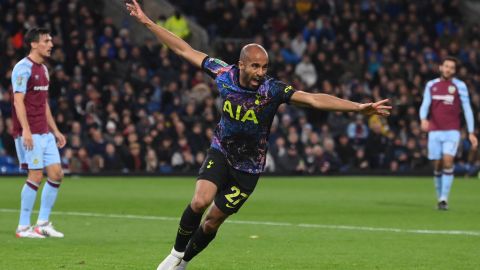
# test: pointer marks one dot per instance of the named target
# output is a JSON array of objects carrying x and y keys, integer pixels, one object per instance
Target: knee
[
  {"x": 56, "y": 176},
  {"x": 448, "y": 169},
  {"x": 447, "y": 165},
  {"x": 199, "y": 204},
  {"x": 35, "y": 176}
]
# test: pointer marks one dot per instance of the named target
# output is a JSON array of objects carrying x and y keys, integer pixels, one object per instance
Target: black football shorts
[{"x": 234, "y": 186}]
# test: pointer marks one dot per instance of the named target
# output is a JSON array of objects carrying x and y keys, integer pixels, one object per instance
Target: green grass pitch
[{"x": 287, "y": 223}]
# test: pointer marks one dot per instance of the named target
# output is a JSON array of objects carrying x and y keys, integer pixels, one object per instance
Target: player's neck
[
  {"x": 242, "y": 84},
  {"x": 36, "y": 58},
  {"x": 445, "y": 78}
]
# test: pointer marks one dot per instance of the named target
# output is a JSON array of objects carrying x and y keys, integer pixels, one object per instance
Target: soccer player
[
  {"x": 443, "y": 100},
  {"x": 33, "y": 125},
  {"x": 236, "y": 158}
]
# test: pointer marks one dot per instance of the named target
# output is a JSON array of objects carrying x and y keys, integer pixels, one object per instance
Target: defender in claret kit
[
  {"x": 440, "y": 114},
  {"x": 37, "y": 137}
]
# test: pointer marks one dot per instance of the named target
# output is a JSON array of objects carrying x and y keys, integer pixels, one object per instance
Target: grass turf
[{"x": 142, "y": 240}]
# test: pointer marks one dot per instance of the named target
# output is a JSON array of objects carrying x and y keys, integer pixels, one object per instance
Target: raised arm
[
  {"x": 176, "y": 44},
  {"x": 332, "y": 103}
]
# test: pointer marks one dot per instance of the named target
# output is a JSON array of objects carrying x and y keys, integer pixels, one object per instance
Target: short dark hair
[
  {"x": 453, "y": 59},
  {"x": 33, "y": 35}
]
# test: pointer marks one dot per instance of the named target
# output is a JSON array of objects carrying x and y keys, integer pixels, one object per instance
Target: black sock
[
  {"x": 199, "y": 242},
  {"x": 188, "y": 224}
]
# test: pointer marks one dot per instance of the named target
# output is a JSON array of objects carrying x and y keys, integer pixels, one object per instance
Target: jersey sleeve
[
  {"x": 427, "y": 100},
  {"x": 282, "y": 91},
  {"x": 467, "y": 109},
  {"x": 213, "y": 66},
  {"x": 20, "y": 76}
]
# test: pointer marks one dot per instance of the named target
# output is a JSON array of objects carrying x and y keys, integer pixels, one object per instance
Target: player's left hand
[
  {"x": 473, "y": 141},
  {"x": 61, "y": 141},
  {"x": 378, "y": 108}
]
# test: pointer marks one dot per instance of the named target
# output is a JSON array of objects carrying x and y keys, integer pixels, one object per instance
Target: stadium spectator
[
  {"x": 178, "y": 25},
  {"x": 113, "y": 161},
  {"x": 357, "y": 131}
]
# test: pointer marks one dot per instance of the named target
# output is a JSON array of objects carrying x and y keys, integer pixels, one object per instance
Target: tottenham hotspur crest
[{"x": 451, "y": 89}]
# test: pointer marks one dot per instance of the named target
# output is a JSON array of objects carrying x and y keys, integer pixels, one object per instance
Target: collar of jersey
[{"x": 31, "y": 60}]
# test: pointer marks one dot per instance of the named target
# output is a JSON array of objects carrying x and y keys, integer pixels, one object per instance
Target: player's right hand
[
  {"x": 424, "y": 125},
  {"x": 136, "y": 11},
  {"x": 27, "y": 140}
]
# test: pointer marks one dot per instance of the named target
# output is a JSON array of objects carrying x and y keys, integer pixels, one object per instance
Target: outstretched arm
[
  {"x": 332, "y": 103},
  {"x": 176, "y": 44}
]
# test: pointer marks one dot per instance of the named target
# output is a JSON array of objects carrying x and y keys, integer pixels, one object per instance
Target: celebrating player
[
  {"x": 443, "y": 100},
  {"x": 33, "y": 125},
  {"x": 237, "y": 155}
]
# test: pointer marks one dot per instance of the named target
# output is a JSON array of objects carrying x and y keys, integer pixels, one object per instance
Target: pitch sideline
[{"x": 266, "y": 223}]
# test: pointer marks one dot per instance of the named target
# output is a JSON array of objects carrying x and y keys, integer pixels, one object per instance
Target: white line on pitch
[{"x": 267, "y": 223}]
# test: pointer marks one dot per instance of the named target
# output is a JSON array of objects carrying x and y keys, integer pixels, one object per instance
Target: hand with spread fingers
[
  {"x": 378, "y": 108},
  {"x": 136, "y": 11}
]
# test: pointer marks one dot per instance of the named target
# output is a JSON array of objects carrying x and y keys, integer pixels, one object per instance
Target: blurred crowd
[{"x": 128, "y": 107}]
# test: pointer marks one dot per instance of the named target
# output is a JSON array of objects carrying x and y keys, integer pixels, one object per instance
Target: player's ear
[{"x": 241, "y": 65}]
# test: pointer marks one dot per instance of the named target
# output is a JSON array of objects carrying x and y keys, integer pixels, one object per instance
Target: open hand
[
  {"x": 136, "y": 11},
  {"x": 378, "y": 108}
]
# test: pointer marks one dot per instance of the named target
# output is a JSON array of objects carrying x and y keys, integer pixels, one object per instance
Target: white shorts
[
  {"x": 44, "y": 152},
  {"x": 442, "y": 142}
]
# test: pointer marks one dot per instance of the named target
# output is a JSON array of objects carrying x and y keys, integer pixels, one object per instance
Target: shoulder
[
  {"x": 279, "y": 89},
  {"x": 459, "y": 83},
  {"x": 215, "y": 66},
  {"x": 277, "y": 85},
  {"x": 432, "y": 82},
  {"x": 214, "y": 61},
  {"x": 23, "y": 66}
]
